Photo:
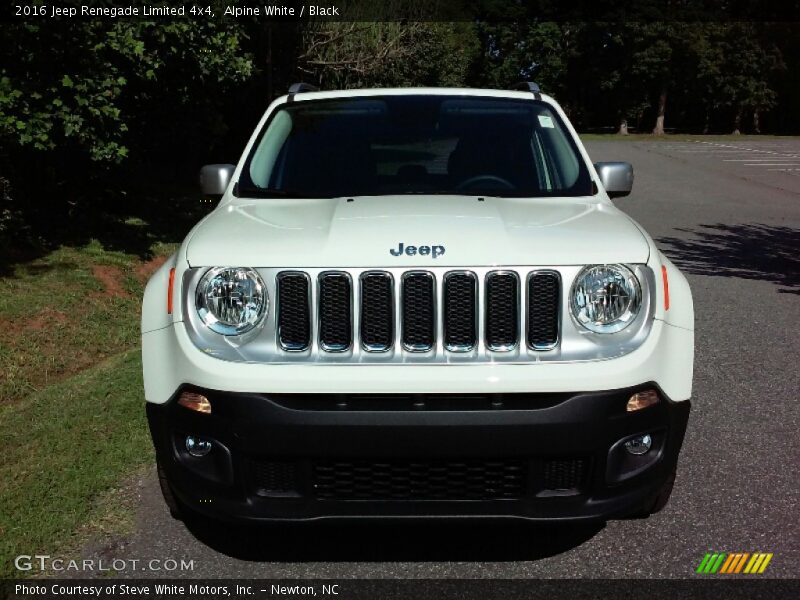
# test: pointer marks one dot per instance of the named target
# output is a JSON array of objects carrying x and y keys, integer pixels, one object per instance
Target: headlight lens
[
  {"x": 605, "y": 298},
  {"x": 231, "y": 301}
]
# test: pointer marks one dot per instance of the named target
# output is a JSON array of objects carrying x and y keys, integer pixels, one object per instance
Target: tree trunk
[
  {"x": 623, "y": 126},
  {"x": 756, "y": 120},
  {"x": 737, "y": 122},
  {"x": 707, "y": 123},
  {"x": 662, "y": 109}
]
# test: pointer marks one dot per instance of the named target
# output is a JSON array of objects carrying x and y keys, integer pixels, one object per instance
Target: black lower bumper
[{"x": 534, "y": 456}]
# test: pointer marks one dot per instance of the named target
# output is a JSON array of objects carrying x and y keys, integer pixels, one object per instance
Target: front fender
[
  {"x": 154, "y": 304},
  {"x": 681, "y": 306}
]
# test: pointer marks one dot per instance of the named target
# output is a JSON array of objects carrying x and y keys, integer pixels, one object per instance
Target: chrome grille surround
[
  {"x": 335, "y": 311},
  {"x": 376, "y": 318},
  {"x": 298, "y": 336},
  {"x": 415, "y": 322},
  {"x": 573, "y": 344},
  {"x": 530, "y": 306},
  {"x": 502, "y": 321},
  {"x": 454, "y": 334}
]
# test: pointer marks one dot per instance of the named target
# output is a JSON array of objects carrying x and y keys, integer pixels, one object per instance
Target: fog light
[
  {"x": 197, "y": 446},
  {"x": 642, "y": 400},
  {"x": 639, "y": 445},
  {"x": 195, "y": 402}
]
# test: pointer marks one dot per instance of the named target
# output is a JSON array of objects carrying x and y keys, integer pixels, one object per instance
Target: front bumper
[{"x": 540, "y": 456}]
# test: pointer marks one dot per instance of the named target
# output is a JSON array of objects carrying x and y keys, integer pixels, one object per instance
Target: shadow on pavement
[
  {"x": 748, "y": 251},
  {"x": 417, "y": 541}
]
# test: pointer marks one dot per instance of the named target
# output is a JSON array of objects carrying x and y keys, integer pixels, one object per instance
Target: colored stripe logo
[{"x": 731, "y": 563}]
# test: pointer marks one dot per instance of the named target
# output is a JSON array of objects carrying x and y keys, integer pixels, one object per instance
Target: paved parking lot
[
  {"x": 729, "y": 214},
  {"x": 771, "y": 162}
]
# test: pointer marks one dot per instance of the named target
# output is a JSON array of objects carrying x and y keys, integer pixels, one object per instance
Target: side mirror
[
  {"x": 616, "y": 177},
  {"x": 214, "y": 179}
]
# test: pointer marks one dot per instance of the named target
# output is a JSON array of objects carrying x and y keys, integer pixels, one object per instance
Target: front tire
[{"x": 175, "y": 508}]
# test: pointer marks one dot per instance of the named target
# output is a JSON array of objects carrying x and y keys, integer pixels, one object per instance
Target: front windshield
[{"x": 372, "y": 146}]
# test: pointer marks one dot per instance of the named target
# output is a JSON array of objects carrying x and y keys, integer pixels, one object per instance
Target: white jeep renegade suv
[{"x": 417, "y": 302}]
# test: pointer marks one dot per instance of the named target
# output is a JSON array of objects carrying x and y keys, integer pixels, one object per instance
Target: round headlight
[
  {"x": 605, "y": 298},
  {"x": 231, "y": 301}
]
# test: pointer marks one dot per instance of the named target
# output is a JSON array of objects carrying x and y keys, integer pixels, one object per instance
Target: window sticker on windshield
[{"x": 546, "y": 121}]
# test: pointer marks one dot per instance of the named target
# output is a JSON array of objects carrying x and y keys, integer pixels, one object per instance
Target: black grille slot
[
  {"x": 502, "y": 311},
  {"x": 294, "y": 318},
  {"x": 460, "y": 291},
  {"x": 377, "y": 311},
  {"x": 544, "y": 292},
  {"x": 564, "y": 476},
  {"x": 275, "y": 479},
  {"x": 420, "y": 480},
  {"x": 335, "y": 326},
  {"x": 418, "y": 311}
]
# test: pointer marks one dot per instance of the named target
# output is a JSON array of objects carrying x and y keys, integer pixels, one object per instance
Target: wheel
[{"x": 175, "y": 509}]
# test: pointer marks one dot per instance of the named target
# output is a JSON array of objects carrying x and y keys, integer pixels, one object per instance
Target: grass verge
[
  {"x": 71, "y": 399},
  {"x": 66, "y": 447}
]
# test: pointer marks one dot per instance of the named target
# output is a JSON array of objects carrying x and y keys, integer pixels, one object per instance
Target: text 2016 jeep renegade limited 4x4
[{"x": 417, "y": 302}]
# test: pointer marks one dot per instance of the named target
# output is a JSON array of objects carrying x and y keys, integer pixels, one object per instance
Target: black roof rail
[
  {"x": 299, "y": 88},
  {"x": 528, "y": 86}
]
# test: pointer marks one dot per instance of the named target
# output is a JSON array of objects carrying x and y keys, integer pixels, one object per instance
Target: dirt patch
[
  {"x": 146, "y": 269},
  {"x": 46, "y": 319},
  {"x": 111, "y": 278}
]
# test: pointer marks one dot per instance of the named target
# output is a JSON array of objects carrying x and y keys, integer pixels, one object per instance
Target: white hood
[{"x": 361, "y": 232}]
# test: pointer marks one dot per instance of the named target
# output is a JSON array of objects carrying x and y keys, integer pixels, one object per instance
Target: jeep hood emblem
[{"x": 434, "y": 251}]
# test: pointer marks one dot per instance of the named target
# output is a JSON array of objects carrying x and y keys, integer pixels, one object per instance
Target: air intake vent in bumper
[
  {"x": 563, "y": 477},
  {"x": 335, "y": 312},
  {"x": 397, "y": 480},
  {"x": 275, "y": 479},
  {"x": 418, "y": 308},
  {"x": 460, "y": 311},
  {"x": 294, "y": 313},
  {"x": 544, "y": 295},
  {"x": 377, "y": 311},
  {"x": 502, "y": 310}
]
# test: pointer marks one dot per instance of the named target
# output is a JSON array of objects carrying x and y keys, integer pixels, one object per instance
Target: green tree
[
  {"x": 80, "y": 83},
  {"x": 81, "y": 96}
]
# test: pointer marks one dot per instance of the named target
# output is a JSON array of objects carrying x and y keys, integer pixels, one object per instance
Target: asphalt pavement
[{"x": 728, "y": 214}]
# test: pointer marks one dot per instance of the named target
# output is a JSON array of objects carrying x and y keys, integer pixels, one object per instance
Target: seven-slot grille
[{"x": 471, "y": 308}]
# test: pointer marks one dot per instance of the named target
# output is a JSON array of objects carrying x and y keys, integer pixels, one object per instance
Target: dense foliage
[{"x": 96, "y": 116}]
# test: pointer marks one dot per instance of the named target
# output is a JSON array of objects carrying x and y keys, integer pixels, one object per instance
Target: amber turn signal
[
  {"x": 170, "y": 287},
  {"x": 642, "y": 400},
  {"x": 195, "y": 402}
]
